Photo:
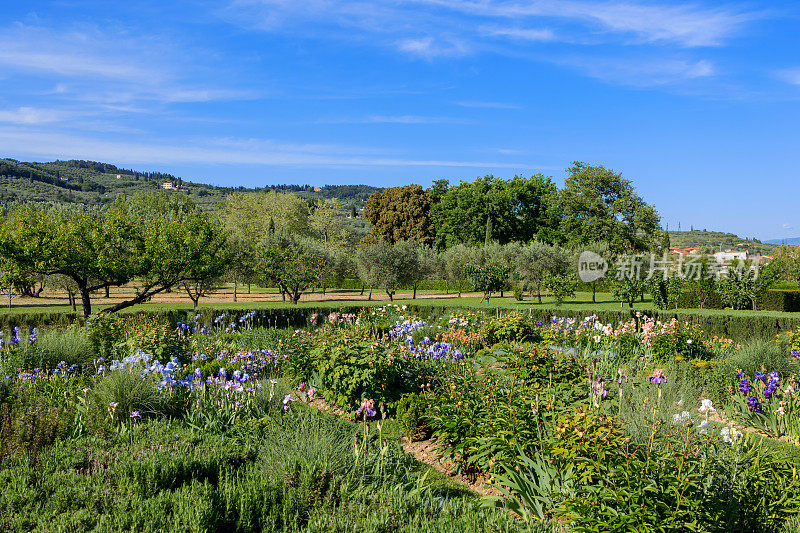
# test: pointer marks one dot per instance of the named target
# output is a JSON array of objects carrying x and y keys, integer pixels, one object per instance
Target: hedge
[
  {"x": 783, "y": 300},
  {"x": 739, "y": 326}
]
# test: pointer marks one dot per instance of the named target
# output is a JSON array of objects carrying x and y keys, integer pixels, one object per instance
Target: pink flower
[{"x": 311, "y": 393}]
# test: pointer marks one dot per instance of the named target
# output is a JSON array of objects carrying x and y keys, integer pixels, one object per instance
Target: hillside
[
  {"x": 93, "y": 183},
  {"x": 713, "y": 241}
]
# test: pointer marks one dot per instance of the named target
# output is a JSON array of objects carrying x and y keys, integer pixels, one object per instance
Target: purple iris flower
[
  {"x": 744, "y": 386},
  {"x": 754, "y": 406}
]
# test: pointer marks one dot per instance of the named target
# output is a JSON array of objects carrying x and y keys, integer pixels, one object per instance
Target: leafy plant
[{"x": 536, "y": 488}]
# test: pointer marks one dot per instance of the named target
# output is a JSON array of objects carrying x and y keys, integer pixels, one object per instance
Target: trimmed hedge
[
  {"x": 783, "y": 300},
  {"x": 739, "y": 325}
]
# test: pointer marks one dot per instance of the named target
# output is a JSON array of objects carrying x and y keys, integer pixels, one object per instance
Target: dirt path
[
  {"x": 425, "y": 452},
  {"x": 225, "y": 295}
]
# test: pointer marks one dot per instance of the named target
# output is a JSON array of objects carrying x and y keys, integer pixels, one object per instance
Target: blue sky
[{"x": 698, "y": 103}]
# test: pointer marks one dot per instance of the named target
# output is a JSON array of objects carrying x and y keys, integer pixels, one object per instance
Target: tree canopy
[
  {"x": 598, "y": 204},
  {"x": 490, "y": 208},
  {"x": 401, "y": 214}
]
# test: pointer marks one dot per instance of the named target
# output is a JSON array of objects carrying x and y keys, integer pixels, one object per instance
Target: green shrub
[
  {"x": 511, "y": 327},
  {"x": 411, "y": 412},
  {"x": 71, "y": 345},
  {"x": 131, "y": 391},
  {"x": 353, "y": 367}
]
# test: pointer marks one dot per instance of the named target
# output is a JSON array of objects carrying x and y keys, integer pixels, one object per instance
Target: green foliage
[
  {"x": 598, "y": 204},
  {"x": 389, "y": 265},
  {"x": 510, "y": 327},
  {"x": 560, "y": 286},
  {"x": 488, "y": 278},
  {"x": 584, "y": 433},
  {"x": 518, "y": 294},
  {"x": 293, "y": 263},
  {"x": 159, "y": 240},
  {"x": 410, "y": 415},
  {"x": 536, "y": 262},
  {"x": 401, "y": 214},
  {"x": 71, "y": 345},
  {"x": 132, "y": 391},
  {"x": 666, "y": 293},
  {"x": 352, "y": 368},
  {"x": 516, "y": 209},
  {"x": 29, "y": 423},
  {"x": 536, "y": 488}
]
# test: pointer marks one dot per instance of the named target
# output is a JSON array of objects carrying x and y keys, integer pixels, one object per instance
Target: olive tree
[{"x": 536, "y": 261}]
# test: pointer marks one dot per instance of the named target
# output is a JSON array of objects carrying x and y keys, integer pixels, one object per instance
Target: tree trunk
[
  {"x": 248, "y": 287},
  {"x": 539, "y": 293},
  {"x": 370, "y": 294},
  {"x": 594, "y": 291},
  {"x": 143, "y": 297},
  {"x": 459, "y": 289},
  {"x": 391, "y": 295},
  {"x": 235, "y": 286},
  {"x": 446, "y": 287},
  {"x": 362, "y": 290},
  {"x": 414, "y": 297},
  {"x": 10, "y": 289},
  {"x": 71, "y": 298},
  {"x": 108, "y": 295},
  {"x": 86, "y": 301}
]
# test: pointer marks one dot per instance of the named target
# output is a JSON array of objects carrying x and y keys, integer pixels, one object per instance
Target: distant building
[
  {"x": 119, "y": 176},
  {"x": 169, "y": 185},
  {"x": 317, "y": 189},
  {"x": 729, "y": 255},
  {"x": 684, "y": 251}
]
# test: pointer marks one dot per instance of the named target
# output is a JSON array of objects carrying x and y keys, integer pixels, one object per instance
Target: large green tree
[
  {"x": 295, "y": 264},
  {"x": 401, "y": 214},
  {"x": 160, "y": 242},
  {"x": 598, "y": 204},
  {"x": 496, "y": 209}
]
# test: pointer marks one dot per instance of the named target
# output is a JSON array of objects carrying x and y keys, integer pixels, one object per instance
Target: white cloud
[
  {"x": 786, "y": 226},
  {"x": 684, "y": 24},
  {"x": 789, "y": 75},
  {"x": 641, "y": 72},
  {"x": 37, "y": 144},
  {"x": 521, "y": 33},
  {"x": 32, "y": 115},
  {"x": 102, "y": 67},
  {"x": 429, "y": 47}
]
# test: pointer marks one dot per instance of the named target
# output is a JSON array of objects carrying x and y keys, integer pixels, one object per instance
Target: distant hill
[
  {"x": 793, "y": 240},
  {"x": 713, "y": 241},
  {"x": 92, "y": 183}
]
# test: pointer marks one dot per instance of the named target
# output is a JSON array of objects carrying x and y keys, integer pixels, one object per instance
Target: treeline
[
  {"x": 107, "y": 168},
  {"x": 16, "y": 170},
  {"x": 595, "y": 204},
  {"x": 522, "y": 235}
]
